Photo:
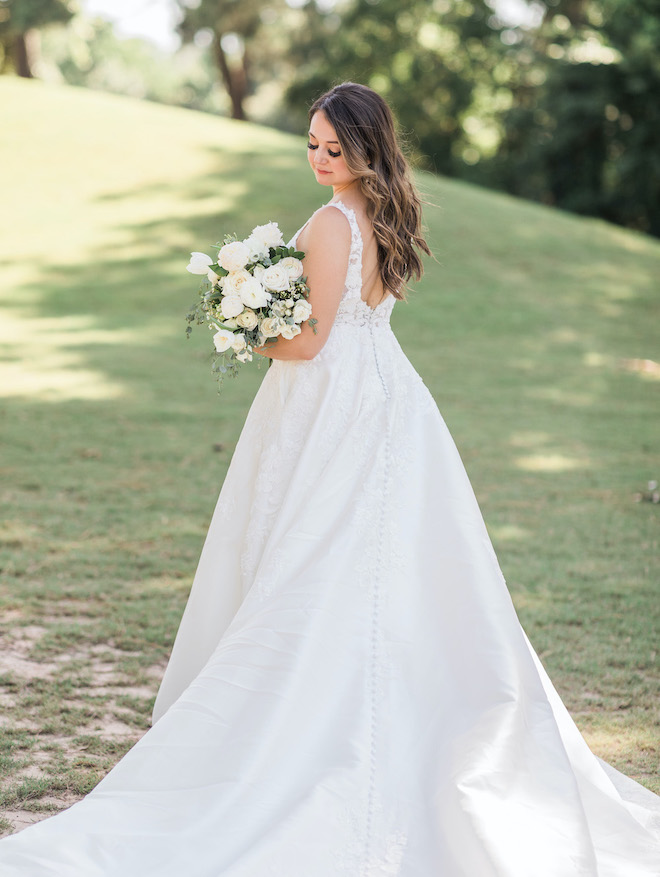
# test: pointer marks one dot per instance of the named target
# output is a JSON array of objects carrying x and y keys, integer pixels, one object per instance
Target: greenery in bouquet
[{"x": 252, "y": 294}]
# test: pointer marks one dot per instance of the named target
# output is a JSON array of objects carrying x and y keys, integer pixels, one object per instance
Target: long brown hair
[{"x": 367, "y": 137}]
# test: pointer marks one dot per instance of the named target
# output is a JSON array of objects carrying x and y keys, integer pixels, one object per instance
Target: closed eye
[{"x": 330, "y": 152}]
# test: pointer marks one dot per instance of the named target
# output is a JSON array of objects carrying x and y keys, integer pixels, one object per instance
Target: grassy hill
[{"x": 536, "y": 331}]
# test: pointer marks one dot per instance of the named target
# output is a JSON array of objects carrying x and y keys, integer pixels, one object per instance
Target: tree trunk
[
  {"x": 235, "y": 80},
  {"x": 21, "y": 57}
]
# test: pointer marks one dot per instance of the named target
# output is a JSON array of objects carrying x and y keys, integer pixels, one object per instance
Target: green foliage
[
  {"x": 429, "y": 60},
  {"x": 583, "y": 132},
  {"x": 88, "y": 53}
]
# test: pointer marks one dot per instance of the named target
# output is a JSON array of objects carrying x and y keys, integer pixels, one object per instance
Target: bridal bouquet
[{"x": 254, "y": 292}]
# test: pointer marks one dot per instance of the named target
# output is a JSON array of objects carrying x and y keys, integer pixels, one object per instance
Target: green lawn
[{"x": 536, "y": 331}]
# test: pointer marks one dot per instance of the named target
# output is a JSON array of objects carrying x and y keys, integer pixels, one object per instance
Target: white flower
[
  {"x": 290, "y": 331},
  {"x": 229, "y": 324},
  {"x": 199, "y": 263},
  {"x": 293, "y": 266},
  {"x": 276, "y": 278},
  {"x": 253, "y": 294},
  {"x": 213, "y": 277},
  {"x": 234, "y": 256},
  {"x": 243, "y": 284},
  {"x": 258, "y": 272},
  {"x": 244, "y": 356},
  {"x": 233, "y": 281},
  {"x": 231, "y": 305},
  {"x": 239, "y": 342},
  {"x": 257, "y": 247},
  {"x": 223, "y": 340},
  {"x": 271, "y": 327},
  {"x": 302, "y": 310},
  {"x": 247, "y": 320},
  {"x": 268, "y": 235},
  {"x": 278, "y": 309}
]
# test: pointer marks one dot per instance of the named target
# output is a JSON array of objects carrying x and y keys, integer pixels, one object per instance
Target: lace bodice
[{"x": 353, "y": 310}]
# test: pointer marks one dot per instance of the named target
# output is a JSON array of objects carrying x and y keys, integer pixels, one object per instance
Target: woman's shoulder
[{"x": 327, "y": 223}]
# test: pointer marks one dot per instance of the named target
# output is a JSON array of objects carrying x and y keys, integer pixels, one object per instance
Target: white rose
[
  {"x": 293, "y": 267},
  {"x": 290, "y": 331},
  {"x": 234, "y": 256},
  {"x": 244, "y": 356},
  {"x": 268, "y": 235},
  {"x": 302, "y": 310},
  {"x": 276, "y": 278},
  {"x": 222, "y": 340},
  {"x": 199, "y": 263},
  {"x": 234, "y": 280},
  {"x": 239, "y": 342},
  {"x": 231, "y": 306},
  {"x": 247, "y": 320},
  {"x": 271, "y": 327}
]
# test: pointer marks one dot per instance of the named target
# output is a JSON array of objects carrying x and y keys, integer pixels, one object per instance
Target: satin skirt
[{"x": 350, "y": 691}]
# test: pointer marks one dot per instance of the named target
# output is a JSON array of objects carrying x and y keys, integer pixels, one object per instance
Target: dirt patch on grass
[{"x": 66, "y": 718}]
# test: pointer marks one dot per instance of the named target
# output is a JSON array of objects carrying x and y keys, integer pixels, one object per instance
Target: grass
[{"x": 536, "y": 332}]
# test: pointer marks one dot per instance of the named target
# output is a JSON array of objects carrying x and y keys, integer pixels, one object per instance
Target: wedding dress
[{"x": 350, "y": 691}]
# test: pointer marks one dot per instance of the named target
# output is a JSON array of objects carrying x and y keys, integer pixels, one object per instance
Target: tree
[
  {"x": 235, "y": 27},
  {"x": 433, "y": 61},
  {"x": 583, "y": 132},
  {"x": 19, "y": 22}
]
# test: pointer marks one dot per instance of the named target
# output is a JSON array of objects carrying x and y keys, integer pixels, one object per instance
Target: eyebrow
[{"x": 327, "y": 141}]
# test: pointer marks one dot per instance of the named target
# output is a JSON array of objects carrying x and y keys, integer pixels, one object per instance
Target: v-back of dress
[{"x": 350, "y": 691}]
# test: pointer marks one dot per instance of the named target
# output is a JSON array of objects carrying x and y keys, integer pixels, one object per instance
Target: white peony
[
  {"x": 271, "y": 326},
  {"x": 253, "y": 294},
  {"x": 293, "y": 267},
  {"x": 302, "y": 310},
  {"x": 239, "y": 342},
  {"x": 199, "y": 263},
  {"x": 234, "y": 256},
  {"x": 231, "y": 305},
  {"x": 247, "y": 320},
  {"x": 250, "y": 291},
  {"x": 257, "y": 247},
  {"x": 222, "y": 340},
  {"x": 276, "y": 278},
  {"x": 290, "y": 331},
  {"x": 268, "y": 235}
]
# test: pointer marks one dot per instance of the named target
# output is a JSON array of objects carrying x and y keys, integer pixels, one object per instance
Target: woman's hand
[{"x": 326, "y": 242}]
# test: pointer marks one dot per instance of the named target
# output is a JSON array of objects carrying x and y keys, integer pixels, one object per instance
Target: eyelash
[{"x": 330, "y": 152}]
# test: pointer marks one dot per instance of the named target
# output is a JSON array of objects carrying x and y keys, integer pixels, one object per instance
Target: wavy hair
[{"x": 367, "y": 137}]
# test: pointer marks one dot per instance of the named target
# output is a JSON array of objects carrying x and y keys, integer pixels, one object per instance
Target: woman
[{"x": 350, "y": 690}]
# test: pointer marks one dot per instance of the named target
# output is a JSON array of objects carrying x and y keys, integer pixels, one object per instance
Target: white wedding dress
[{"x": 350, "y": 691}]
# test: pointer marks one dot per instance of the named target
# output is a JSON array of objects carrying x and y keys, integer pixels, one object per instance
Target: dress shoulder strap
[{"x": 354, "y": 272}]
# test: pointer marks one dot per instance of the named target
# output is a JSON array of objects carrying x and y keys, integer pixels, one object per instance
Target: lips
[{"x": 319, "y": 171}]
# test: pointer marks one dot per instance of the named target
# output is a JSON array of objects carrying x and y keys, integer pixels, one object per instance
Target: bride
[{"x": 350, "y": 691}]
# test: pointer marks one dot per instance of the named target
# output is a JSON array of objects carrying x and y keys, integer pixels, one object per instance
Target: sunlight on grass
[
  {"x": 550, "y": 463},
  {"x": 39, "y": 359}
]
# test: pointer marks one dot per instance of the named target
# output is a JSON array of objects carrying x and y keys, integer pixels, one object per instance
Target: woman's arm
[{"x": 327, "y": 244}]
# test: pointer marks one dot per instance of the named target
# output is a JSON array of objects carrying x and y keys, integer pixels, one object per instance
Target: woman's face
[{"x": 324, "y": 154}]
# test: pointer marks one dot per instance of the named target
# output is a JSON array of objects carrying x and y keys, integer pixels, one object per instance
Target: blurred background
[{"x": 555, "y": 101}]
